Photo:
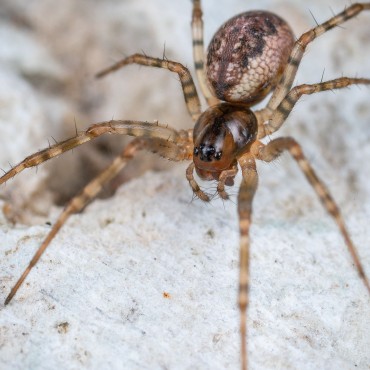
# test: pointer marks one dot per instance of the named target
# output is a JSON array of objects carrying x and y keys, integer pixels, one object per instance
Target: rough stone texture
[{"x": 97, "y": 299}]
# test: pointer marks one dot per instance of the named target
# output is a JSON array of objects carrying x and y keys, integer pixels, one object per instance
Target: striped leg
[
  {"x": 299, "y": 48},
  {"x": 180, "y": 150},
  {"x": 89, "y": 192},
  {"x": 283, "y": 110},
  {"x": 194, "y": 185},
  {"x": 225, "y": 176},
  {"x": 132, "y": 128},
  {"x": 188, "y": 87},
  {"x": 246, "y": 193},
  {"x": 198, "y": 52},
  {"x": 273, "y": 149}
]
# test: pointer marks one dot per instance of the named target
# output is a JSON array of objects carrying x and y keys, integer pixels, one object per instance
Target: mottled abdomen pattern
[{"x": 247, "y": 55}]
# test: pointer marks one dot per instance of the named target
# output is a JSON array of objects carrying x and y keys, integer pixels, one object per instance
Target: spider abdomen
[
  {"x": 247, "y": 56},
  {"x": 222, "y": 133}
]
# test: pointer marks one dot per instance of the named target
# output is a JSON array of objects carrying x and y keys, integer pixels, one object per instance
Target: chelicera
[{"x": 251, "y": 55}]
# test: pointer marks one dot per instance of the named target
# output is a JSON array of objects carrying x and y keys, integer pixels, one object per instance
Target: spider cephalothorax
[
  {"x": 251, "y": 54},
  {"x": 221, "y": 134}
]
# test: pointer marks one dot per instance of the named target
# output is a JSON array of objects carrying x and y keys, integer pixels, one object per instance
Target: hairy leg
[
  {"x": 299, "y": 48},
  {"x": 224, "y": 176},
  {"x": 281, "y": 113},
  {"x": 132, "y": 128},
  {"x": 272, "y": 150},
  {"x": 187, "y": 83},
  {"x": 76, "y": 204},
  {"x": 91, "y": 190},
  {"x": 180, "y": 150},
  {"x": 194, "y": 185},
  {"x": 246, "y": 193},
  {"x": 198, "y": 51}
]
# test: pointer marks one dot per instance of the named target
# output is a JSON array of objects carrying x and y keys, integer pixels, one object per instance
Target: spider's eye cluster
[
  {"x": 221, "y": 133},
  {"x": 207, "y": 153}
]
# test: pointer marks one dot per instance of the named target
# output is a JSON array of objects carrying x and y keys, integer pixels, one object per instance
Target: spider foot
[
  {"x": 226, "y": 179},
  {"x": 200, "y": 194},
  {"x": 222, "y": 193}
]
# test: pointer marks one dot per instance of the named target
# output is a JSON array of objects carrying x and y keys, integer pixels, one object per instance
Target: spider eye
[
  {"x": 206, "y": 152},
  {"x": 196, "y": 151},
  {"x": 218, "y": 155}
]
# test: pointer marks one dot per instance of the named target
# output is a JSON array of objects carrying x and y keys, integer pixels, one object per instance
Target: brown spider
[{"x": 250, "y": 56}]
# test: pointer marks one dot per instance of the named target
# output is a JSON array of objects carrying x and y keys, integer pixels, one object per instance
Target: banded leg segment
[
  {"x": 246, "y": 193},
  {"x": 194, "y": 185},
  {"x": 89, "y": 192},
  {"x": 198, "y": 51},
  {"x": 283, "y": 110},
  {"x": 225, "y": 176},
  {"x": 272, "y": 150},
  {"x": 299, "y": 48},
  {"x": 180, "y": 150},
  {"x": 187, "y": 83},
  {"x": 131, "y": 128}
]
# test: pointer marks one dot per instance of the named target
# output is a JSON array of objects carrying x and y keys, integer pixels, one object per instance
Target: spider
[{"x": 251, "y": 55}]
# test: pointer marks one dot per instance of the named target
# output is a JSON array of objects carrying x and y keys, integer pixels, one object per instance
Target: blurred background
[
  {"x": 106, "y": 275},
  {"x": 50, "y": 52}
]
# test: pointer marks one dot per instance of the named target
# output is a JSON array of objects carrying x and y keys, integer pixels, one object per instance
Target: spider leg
[
  {"x": 194, "y": 185},
  {"x": 299, "y": 48},
  {"x": 180, "y": 150},
  {"x": 283, "y": 110},
  {"x": 198, "y": 51},
  {"x": 272, "y": 150},
  {"x": 246, "y": 193},
  {"x": 187, "y": 83},
  {"x": 132, "y": 128},
  {"x": 77, "y": 203},
  {"x": 224, "y": 176}
]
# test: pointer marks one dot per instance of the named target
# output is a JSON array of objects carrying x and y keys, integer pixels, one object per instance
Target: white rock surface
[{"x": 96, "y": 299}]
